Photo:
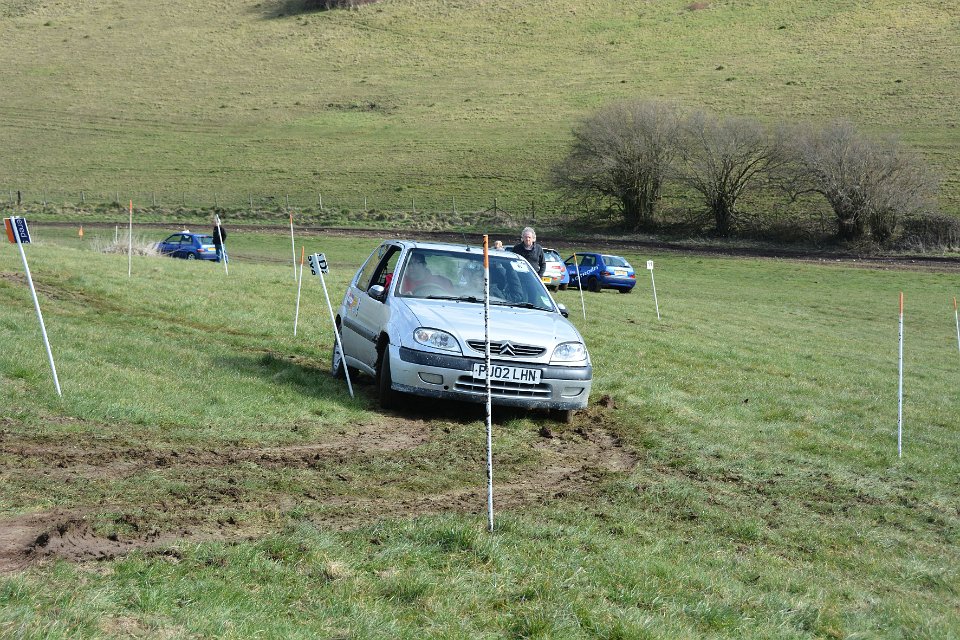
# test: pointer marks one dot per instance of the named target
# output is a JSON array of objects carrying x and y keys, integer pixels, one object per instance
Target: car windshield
[
  {"x": 615, "y": 261},
  {"x": 454, "y": 275}
]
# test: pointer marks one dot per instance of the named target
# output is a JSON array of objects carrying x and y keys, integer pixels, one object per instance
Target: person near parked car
[
  {"x": 219, "y": 236},
  {"x": 529, "y": 248}
]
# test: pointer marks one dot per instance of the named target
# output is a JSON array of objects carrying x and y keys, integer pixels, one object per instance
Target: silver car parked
[{"x": 412, "y": 317}]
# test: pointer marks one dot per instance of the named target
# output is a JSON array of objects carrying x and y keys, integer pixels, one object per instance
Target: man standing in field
[
  {"x": 531, "y": 250},
  {"x": 219, "y": 235}
]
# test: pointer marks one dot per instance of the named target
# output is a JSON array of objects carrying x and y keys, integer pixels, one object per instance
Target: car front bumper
[{"x": 438, "y": 375}]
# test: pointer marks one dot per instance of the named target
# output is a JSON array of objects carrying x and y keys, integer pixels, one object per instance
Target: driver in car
[{"x": 418, "y": 277}]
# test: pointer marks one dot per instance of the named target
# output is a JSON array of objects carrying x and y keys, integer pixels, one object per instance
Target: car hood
[{"x": 465, "y": 321}]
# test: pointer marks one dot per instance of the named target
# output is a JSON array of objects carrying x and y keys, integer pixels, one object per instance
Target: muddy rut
[{"x": 571, "y": 461}]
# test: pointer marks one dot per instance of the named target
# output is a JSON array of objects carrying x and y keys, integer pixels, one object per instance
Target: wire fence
[{"x": 423, "y": 204}]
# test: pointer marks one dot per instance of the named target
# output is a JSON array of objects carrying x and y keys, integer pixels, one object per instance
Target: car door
[
  {"x": 169, "y": 244},
  {"x": 182, "y": 246},
  {"x": 365, "y": 316}
]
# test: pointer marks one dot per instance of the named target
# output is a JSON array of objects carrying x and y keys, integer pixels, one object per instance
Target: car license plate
[
  {"x": 620, "y": 272},
  {"x": 546, "y": 279},
  {"x": 507, "y": 374}
]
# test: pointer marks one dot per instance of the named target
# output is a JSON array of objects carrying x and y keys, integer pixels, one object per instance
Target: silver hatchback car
[{"x": 412, "y": 317}]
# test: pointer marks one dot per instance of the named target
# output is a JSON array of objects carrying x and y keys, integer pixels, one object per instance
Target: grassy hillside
[
  {"x": 417, "y": 102},
  {"x": 736, "y": 475}
]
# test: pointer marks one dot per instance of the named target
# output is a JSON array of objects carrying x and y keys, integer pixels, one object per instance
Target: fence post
[
  {"x": 83, "y": 199},
  {"x": 153, "y": 197}
]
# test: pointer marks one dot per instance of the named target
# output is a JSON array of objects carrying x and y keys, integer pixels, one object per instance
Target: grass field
[
  {"x": 735, "y": 476},
  {"x": 412, "y": 103}
]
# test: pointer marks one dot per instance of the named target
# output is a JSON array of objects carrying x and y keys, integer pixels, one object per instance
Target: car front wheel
[
  {"x": 336, "y": 364},
  {"x": 389, "y": 399}
]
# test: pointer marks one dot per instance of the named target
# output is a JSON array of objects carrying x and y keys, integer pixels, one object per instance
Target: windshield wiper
[
  {"x": 455, "y": 298},
  {"x": 522, "y": 305}
]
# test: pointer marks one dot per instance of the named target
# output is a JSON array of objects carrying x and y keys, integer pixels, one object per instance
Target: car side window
[
  {"x": 385, "y": 270},
  {"x": 381, "y": 263},
  {"x": 588, "y": 261}
]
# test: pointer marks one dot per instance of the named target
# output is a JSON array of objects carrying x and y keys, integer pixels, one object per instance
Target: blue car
[
  {"x": 601, "y": 271},
  {"x": 190, "y": 246}
]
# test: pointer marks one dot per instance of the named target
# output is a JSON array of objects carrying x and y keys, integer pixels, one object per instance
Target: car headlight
[
  {"x": 569, "y": 352},
  {"x": 436, "y": 339}
]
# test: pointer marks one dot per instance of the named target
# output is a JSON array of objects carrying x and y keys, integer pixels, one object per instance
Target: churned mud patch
[{"x": 210, "y": 500}]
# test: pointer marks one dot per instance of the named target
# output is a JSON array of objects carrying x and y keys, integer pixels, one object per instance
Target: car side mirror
[
  {"x": 377, "y": 292},
  {"x": 563, "y": 310}
]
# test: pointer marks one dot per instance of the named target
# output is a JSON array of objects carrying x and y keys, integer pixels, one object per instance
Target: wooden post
[{"x": 82, "y": 198}]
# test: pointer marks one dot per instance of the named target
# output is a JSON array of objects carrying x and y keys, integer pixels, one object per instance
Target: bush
[{"x": 930, "y": 231}]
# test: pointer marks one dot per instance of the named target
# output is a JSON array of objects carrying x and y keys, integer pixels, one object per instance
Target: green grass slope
[
  {"x": 417, "y": 102},
  {"x": 765, "y": 498}
]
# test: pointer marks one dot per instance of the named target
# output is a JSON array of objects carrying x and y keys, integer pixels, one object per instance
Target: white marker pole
[
  {"x": 36, "y": 305},
  {"x": 900, "y": 388},
  {"x": 957, "y": 319},
  {"x": 486, "y": 354},
  {"x": 130, "y": 243},
  {"x": 116, "y": 234},
  {"x": 223, "y": 247},
  {"x": 336, "y": 333},
  {"x": 583, "y": 305},
  {"x": 293, "y": 248},
  {"x": 296, "y": 314},
  {"x": 656, "y": 304}
]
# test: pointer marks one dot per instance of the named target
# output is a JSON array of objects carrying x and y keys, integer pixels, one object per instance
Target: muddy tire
[
  {"x": 594, "y": 285},
  {"x": 389, "y": 399},
  {"x": 337, "y": 368}
]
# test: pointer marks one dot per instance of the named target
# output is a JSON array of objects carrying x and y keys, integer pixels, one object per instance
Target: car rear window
[
  {"x": 205, "y": 239},
  {"x": 553, "y": 256},
  {"x": 615, "y": 261}
]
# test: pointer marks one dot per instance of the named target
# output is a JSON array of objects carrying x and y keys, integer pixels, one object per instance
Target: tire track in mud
[{"x": 573, "y": 461}]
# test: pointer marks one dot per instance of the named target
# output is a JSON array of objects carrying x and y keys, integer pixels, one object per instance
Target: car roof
[{"x": 444, "y": 246}]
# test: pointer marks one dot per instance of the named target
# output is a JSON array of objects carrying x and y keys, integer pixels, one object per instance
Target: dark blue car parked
[
  {"x": 601, "y": 271},
  {"x": 190, "y": 246}
]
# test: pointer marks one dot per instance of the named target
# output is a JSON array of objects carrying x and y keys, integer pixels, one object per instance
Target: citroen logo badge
[{"x": 506, "y": 349}]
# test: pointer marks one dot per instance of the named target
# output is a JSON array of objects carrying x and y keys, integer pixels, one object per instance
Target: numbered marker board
[
  {"x": 650, "y": 265},
  {"x": 17, "y": 227},
  {"x": 318, "y": 264}
]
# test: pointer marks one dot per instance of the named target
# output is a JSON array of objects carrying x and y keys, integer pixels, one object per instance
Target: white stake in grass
[
  {"x": 318, "y": 267},
  {"x": 957, "y": 320},
  {"x": 655, "y": 303},
  {"x": 293, "y": 248},
  {"x": 296, "y": 314},
  {"x": 18, "y": 233},
  {"x": 900, "y": 388},
  {"x": 130, "y": 243},
  {"x": 583, "y": 305},
  {"x": 486, "y": 354},
  {"x": 223, "y": 247}
]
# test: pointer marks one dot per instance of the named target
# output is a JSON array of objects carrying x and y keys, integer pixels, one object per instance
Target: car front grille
[
  {"x": 508, "y": 349},
  {"x": 502, "y": 389}
]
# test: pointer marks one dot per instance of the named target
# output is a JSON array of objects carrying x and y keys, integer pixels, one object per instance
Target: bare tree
[
  {"x": 722, "y": 157},
  {"x": 622, "y": 154},
  {"x": 869, "y": 184}
]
